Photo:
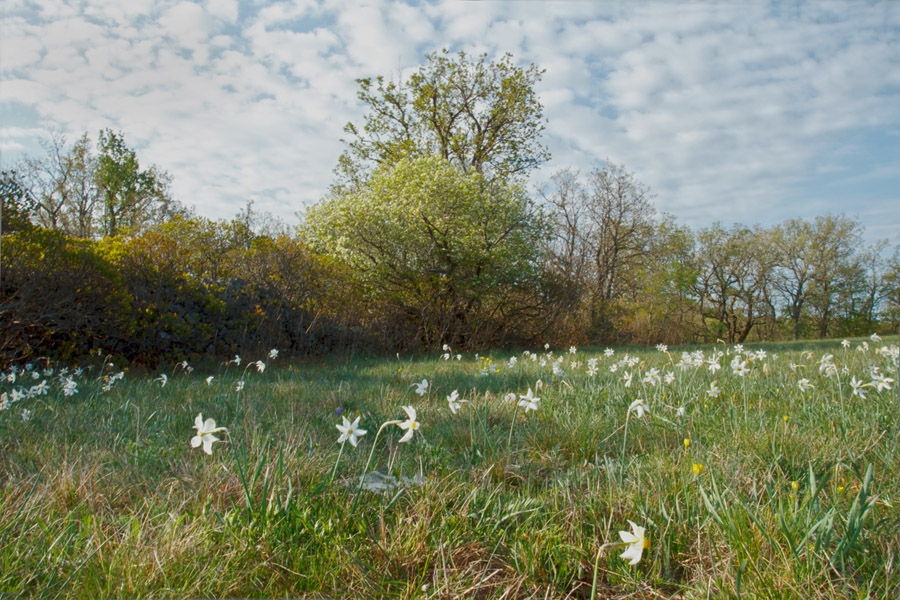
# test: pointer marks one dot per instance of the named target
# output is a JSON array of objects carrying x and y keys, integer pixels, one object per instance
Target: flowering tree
[{"x": 446, "y": 250}]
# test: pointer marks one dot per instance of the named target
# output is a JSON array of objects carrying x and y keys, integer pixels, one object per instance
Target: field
[{"x": 760, "y": 472}]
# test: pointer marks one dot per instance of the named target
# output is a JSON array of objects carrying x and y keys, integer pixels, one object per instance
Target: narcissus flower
[
  {"x": 350, "y": 431},
  {"x": 205, "y": 430},
  {"x": 528, "y": 401},
  {"x": 639, "y": 407},
  {"x": 410, "y": 424},
  {"x": 421, "y": 387},
  {"x": 454, "y": 401},
  {"x": 636, "y": 541}
]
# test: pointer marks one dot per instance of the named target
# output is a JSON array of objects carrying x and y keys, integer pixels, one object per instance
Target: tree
[
  {"x": 16, "y": 203},
  {"x": 131, "y": 197},
  {"x": 480, "y": 116},
  {"x": 734, "y": 274},
  {"x": 603, "y": 229},
  {"x": 442, "y": 249}
]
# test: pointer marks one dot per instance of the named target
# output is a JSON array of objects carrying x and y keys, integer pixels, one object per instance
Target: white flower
[
  {"x": 4, "y": 401},
  {"x": 713, "y": 391},
  {"x": 209, "y": 380},
  {"x": 573, "y": 350},
  {"x": 260, "y": 366},
  {"x": 627, "y": 378},
  {"x": 510, "y": 397},
  {"x": 273, "y": 353},
  {"x": 546, "y": 346},
  {"x": 858, "y": 388},
  {"x": 679, "y": 412},
  {"x": 454, "y": 401},
  {"x": 662, "y": 347},
  {"x": 652, "y": 377},
  {"x": 205, "y": 431},
  {"x": 609, "y": 352},
  {"x": 845, "y": 343},
  {"x": 881, "y": 383},
  {"x": 26, "y": 415},
  {"x": 410, "y": 424},
  {"x": 804, "y": 384},
  {"x": 528, "y": 401},
  {"x": 239, "y": 386},
  {"x": 421, "y": 387},
  {"x": 636, "y": 541},
  {"x": 350, "y": 431},
  {"x": 163, "y": 379},
  {"x": 713, "y": 365},
  {"x": 875, "y": 337},
  {"x": 669, "y": 378},
  {"x": 70, "y": 387},
  {"x": 639, "y": 407}
]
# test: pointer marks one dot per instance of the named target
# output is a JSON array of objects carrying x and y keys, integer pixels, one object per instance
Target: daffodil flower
[
  {"x": 528, "y": 401},
  {"x": 205, "y": 430},
  {"x": 454, "y": 401},
  {"x": 350, "y": 431},
  {"x": 410, "y": 424},
  {"x": 636, "y": 541},
  {"x": 639, "y": 407},
  {"x": 421, "y": 387}
]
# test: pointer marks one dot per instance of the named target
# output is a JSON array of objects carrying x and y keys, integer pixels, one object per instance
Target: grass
[{"x": 797, "y": 494}]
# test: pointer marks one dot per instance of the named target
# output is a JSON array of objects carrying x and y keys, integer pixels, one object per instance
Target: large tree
[
  {"x": 446, "y": 251},
  {"x": 480, "y": 116}
]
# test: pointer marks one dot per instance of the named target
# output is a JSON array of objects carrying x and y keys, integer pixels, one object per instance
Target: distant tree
[
  {"x": 603, "y": 230},
  {"x": 480, "y": 116},
  {"x": 16, "y": 203},
  {"x": 131, "y": 197}
]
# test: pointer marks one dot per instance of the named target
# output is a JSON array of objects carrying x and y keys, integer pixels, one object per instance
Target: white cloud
[{"x": 723, "y": 110}]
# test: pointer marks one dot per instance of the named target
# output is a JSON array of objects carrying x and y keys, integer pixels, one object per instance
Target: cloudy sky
[{"x": 733, "y": 111}]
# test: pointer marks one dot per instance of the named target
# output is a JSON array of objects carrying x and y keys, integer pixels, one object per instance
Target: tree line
[{"x": 429, "y": 235}]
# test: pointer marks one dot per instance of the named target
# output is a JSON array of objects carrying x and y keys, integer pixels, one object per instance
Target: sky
[{"x": 749, "y": 112}]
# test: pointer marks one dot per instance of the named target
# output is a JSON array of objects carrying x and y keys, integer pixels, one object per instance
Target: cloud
[{"x": 726, "y": 111}]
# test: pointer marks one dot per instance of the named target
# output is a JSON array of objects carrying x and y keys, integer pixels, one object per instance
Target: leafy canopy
[
  {"x": 428, "y": 238},
  {"x": 480, "y": 116}
]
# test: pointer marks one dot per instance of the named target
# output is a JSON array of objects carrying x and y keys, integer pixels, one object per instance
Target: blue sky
[{"x": 740, "y": 112}]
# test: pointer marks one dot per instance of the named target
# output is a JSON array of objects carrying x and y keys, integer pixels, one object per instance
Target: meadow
[{"x": 765, "y": 471}]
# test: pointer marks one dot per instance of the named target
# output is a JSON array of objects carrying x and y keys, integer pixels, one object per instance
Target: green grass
[{"x": 101, "y": 495}]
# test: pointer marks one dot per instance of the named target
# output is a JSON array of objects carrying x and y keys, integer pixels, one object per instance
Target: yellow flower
[
  {"x": 785, "y": 417},
  {"x": 795, "y": 485},
  {"x": 840, "y": 488},
  {"x": 687, "y": 442},
  {"x": 697, "y": 468}
]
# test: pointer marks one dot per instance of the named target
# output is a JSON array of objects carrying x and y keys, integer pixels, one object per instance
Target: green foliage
[
  {"x": 58, "y": 296},
  {"x": 442, "y": 248},
  {"x": 16, "y": 203},
  {"x": 479, "y": 116},
  {"x": 131, "y": 196}
]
